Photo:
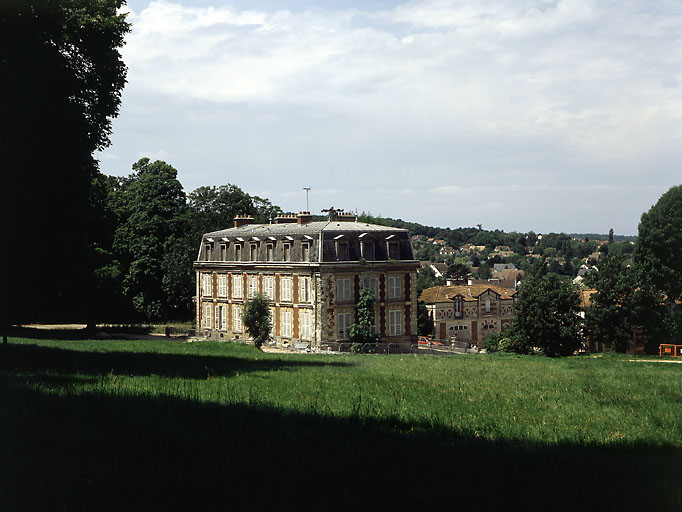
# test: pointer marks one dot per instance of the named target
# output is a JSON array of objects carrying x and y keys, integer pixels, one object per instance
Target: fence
[{"x": 670, "y": 350}]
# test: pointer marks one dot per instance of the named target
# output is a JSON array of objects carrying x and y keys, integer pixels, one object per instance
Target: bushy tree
[
  {"x": 361, "y": 331},
  {"x": 612, "y": 313},
  {"x": 424, "y": 320},
  {"x": 547, "y": 315},
  {"x": 426, "y": 278},
  {"x": 257, "y": 319},
  {"x": 659, "y": 249},
  {"x": 151, "y": 243}
]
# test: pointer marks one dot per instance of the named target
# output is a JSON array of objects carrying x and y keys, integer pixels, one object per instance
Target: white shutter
[
  {"x": 222, "y": 285},
  {"x": 237, "y": 287},
  {"x": 237, "y": 318},
  {"x": 269, "y": 287},
  {"x": 223, "y": 317},
  {"x": 207, "y": 316}
]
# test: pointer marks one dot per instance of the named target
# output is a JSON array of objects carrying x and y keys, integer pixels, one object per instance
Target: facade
[
  {"x": 469, "y": 313},
  {"x": 312, "y": 272}
]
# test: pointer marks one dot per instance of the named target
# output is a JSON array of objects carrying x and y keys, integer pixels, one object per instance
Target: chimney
[
  {"x": 347, "y": 217},
  {"x": 304, "y": 217},
  {"x": 285, "y": 219},
  {"x": 242, "y": 220}
]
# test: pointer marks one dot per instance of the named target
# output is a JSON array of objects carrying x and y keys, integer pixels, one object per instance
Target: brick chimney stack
[
  {"x": 242, "y": 220},
  {"x": 304, "y": 217}
]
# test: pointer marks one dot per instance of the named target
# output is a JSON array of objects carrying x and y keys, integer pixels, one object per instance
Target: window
[
  {"x": 222, "y": 285},
  {"x": 306, "y": 324},
  {"x": 371, "y": 283},
  {"x": 221, "y": 317},
  {"x": 458, "y": 307},
  {"x": 223, "y": 252},
  {"x": 343, "y": 321},
  {"x": 304, "y": 294},
  {"x": 394, "y": 323},
  {"x": 286, "y": 289},
  {"x": 487, "y": 305},
  {"x": 305, "y": 251},
  {"x": 207, "y": 286},
  {"x": 207, "y": 316},
  {"x": 343, "y": 289},
  {"x": 342, "y": 251},
  {"x": 368, "y": 250},
  {"x": 237, "y": 286},
  {"x": 237, "y": 252},
  {"x": 269, "y": 252},
  {"x": 236, "y": 318},
  {"x": 254, "y": 252},
  {"x": 269, "y": 284},
  {"x": 253, "y": 286},
  {"x": 286, "y": 324},
  {"x": 287, "y": 252},
  {"x": 393, "y": 251},
  {"x": 394, "y": 285},
  {"x": 207, "y": 252}
]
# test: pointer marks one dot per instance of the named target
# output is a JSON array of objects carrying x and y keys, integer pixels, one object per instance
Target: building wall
[
  {"x": 395, "y": 311},
  {"x": 476, "y": 322}
]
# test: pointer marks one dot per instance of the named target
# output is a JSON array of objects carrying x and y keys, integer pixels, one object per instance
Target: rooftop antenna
[{"x": 307, "y": 207}]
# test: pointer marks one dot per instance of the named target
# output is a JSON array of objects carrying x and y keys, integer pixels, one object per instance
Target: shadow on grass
[
  {"x": 101, "y": 451},
  {"x": 108, "y": 332},
  {"x": 35, "y": 358}
]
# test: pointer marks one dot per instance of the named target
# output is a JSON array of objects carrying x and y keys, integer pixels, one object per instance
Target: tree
[
  {"x": 63, "y": 75},
  {"x": 658, "y": 250},
  {"x": 362, "y": 331},
  {"x": 546, "y": 315},
  {"x": 257, "y": 319},
  {"x": 611, "y": 235},
  {"x": 426, "y": 278},
  {"x": 151, "y": 243},
  {"x": 611, "y": 315},
  {"x": 424, "y": 320},
  {"x": 458, "y": 271}
]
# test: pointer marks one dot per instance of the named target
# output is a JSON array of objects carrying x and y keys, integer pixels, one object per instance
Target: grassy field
[{"x": 104, "y": 424}]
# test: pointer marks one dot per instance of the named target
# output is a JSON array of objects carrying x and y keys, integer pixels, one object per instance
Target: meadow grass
[{"x": 161, "y": 418}]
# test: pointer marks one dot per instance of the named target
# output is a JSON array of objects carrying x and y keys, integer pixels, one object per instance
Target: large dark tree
[{"x": 62, "y": 77}]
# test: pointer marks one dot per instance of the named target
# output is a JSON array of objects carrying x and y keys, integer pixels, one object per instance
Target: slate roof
[
  {"x": 468, "y": 292},
  {"x": 311, "y": 228}
]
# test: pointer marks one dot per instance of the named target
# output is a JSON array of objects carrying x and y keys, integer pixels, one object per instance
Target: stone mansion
[{"x": 312, "y": 272}]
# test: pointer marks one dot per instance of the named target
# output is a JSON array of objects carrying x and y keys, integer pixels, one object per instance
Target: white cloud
[{"x": 409, "y": 100}]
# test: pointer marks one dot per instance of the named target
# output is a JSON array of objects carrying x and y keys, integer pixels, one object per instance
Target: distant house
[
  {"x": 439, "y": 269},
  {"x": 473, "y": 249},
  {"x": 469, "y": 313},
  {"x": 447, "y": 251},
  {"x": 497, "y": 267}
]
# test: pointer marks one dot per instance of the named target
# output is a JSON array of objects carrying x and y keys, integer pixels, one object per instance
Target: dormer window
[
  {"x": 269, "y": 250},
  {"x": 287, "y": 251},
  {"x": 223, "y": 251},
  {"x": 305, "y": 251},
  {"x": 207, "y": 252},
  {"x": 254, "y": 252},
  {"x": 367, "y": 248},
  {"x": 238, "y": 252},
  {"x": 393, "y": 250},
  {"x": 342, "y": 251}
]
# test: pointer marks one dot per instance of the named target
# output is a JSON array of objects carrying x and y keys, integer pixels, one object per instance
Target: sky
[{"x": 540, "y": 115}]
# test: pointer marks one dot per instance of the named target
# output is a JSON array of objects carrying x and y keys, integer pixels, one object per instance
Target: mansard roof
[{"x": 310, "y": 228}]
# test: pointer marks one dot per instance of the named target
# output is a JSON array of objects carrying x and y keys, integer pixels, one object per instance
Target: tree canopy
[
  {"x": 546, "y": 314},
  {"x": 62, "y": 71}
]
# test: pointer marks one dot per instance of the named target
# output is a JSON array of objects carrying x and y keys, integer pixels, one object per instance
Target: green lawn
[{"x": 154, "y": 424}]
